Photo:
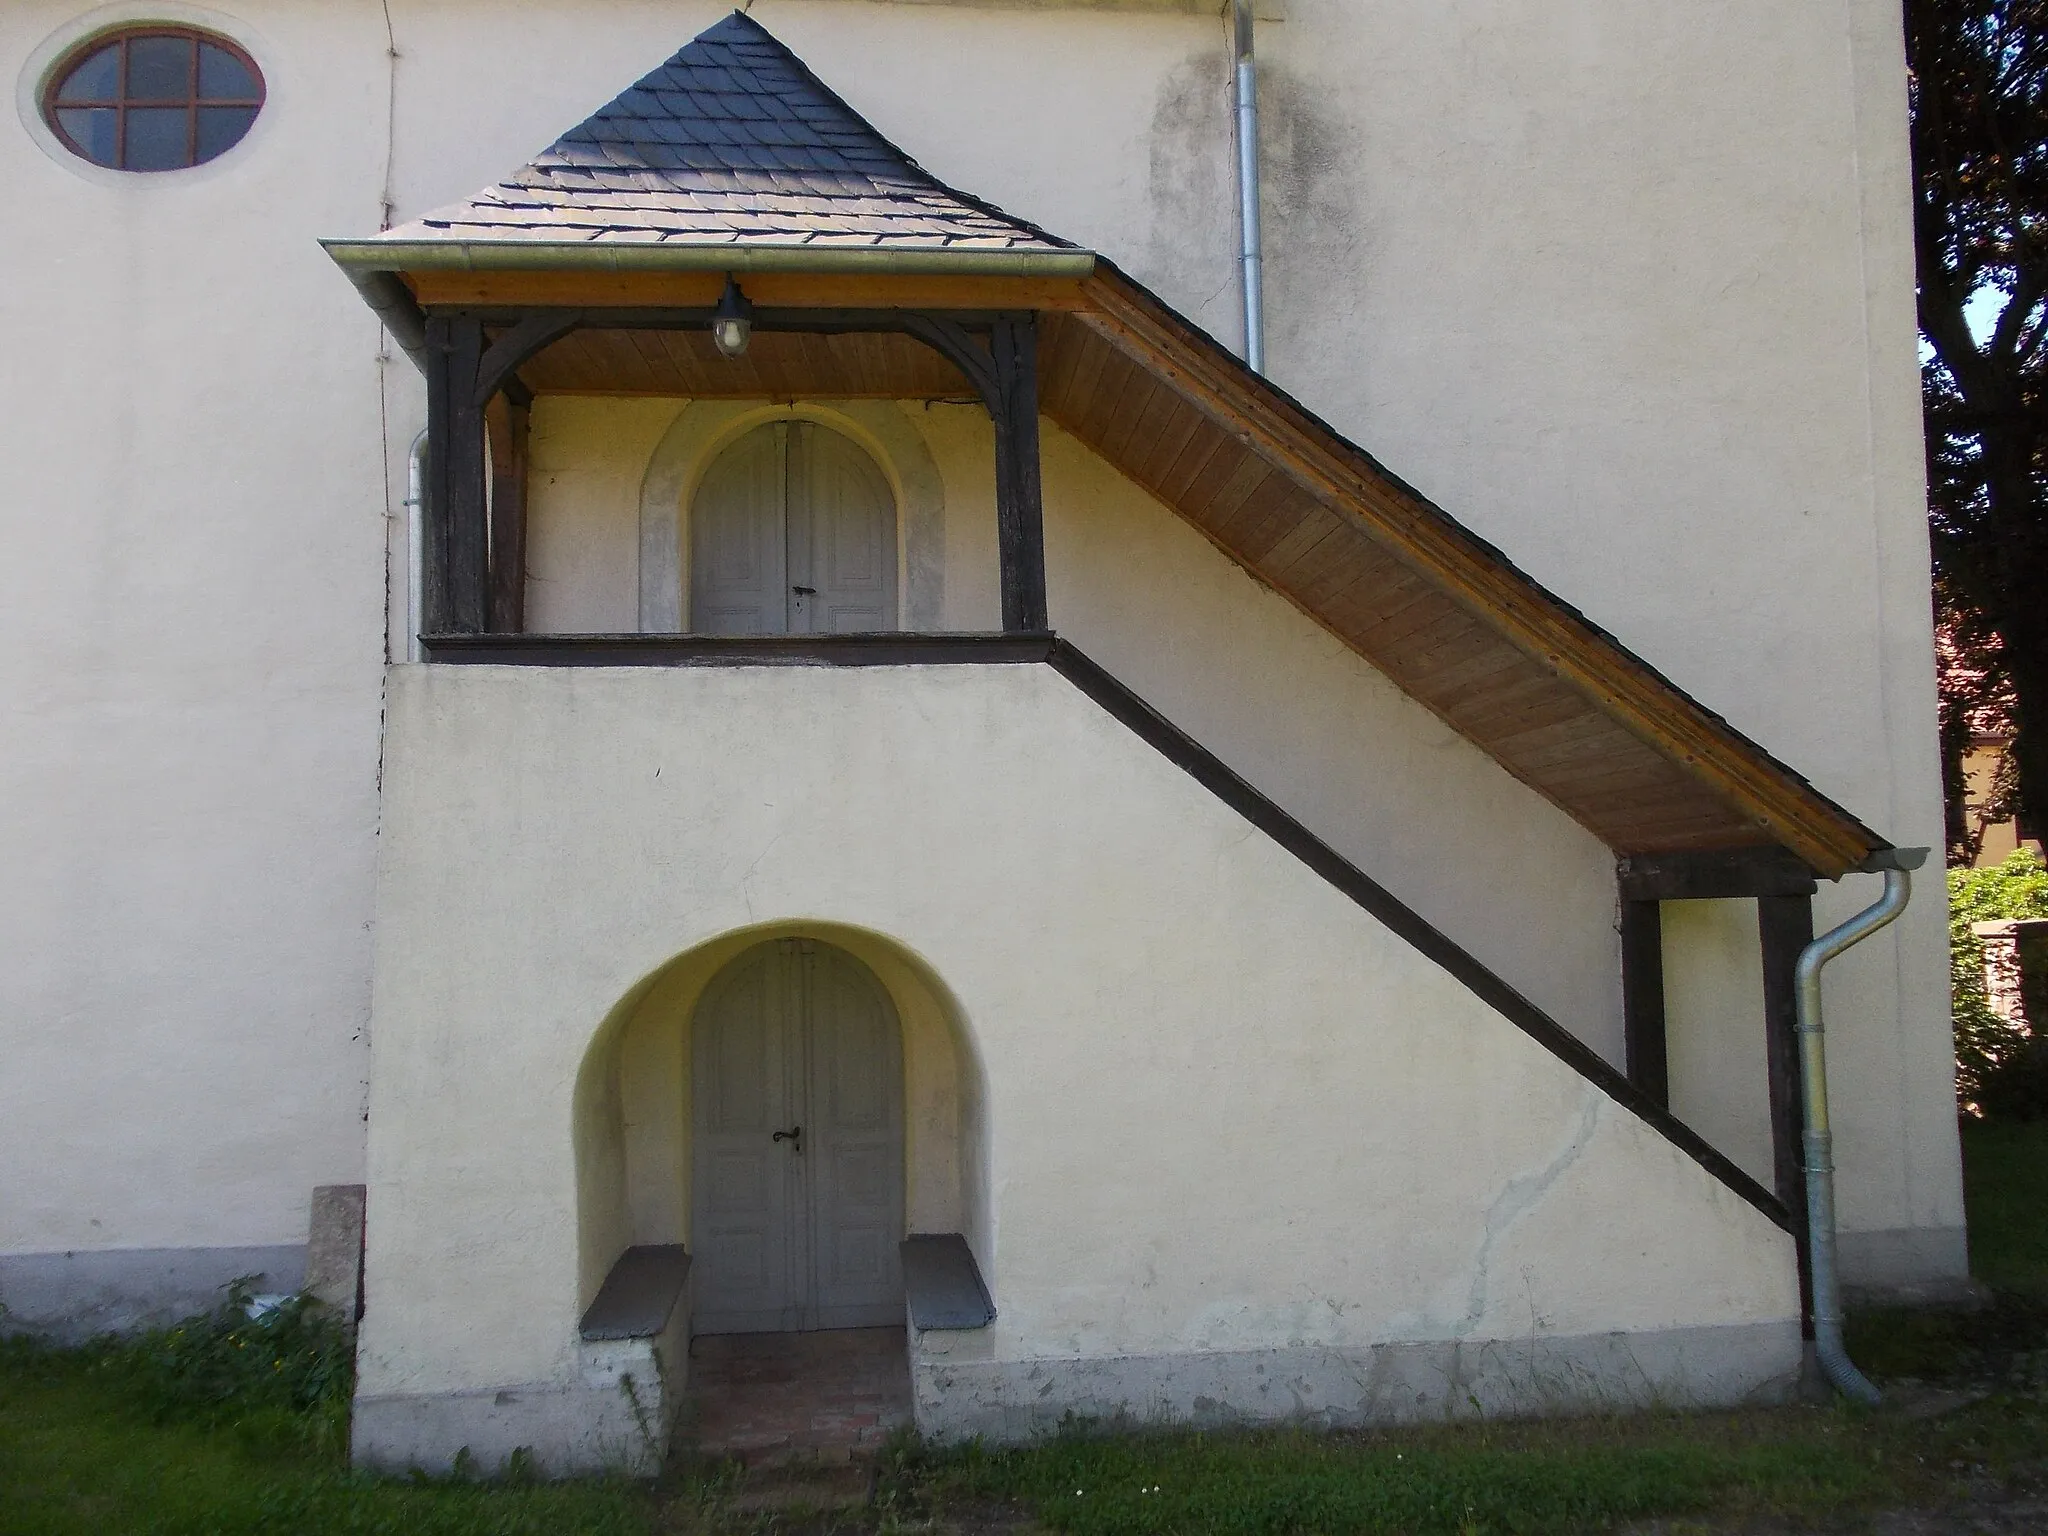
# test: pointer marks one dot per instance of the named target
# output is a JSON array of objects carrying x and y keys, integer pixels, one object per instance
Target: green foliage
[
  {"x": 227, "y": 1364},
  {"x": 2001, "y": 1070},
  {"x": 1979, "y": 90}
]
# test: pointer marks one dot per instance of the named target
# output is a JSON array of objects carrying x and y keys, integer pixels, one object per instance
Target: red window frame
[{"x": 120, "y": 101}]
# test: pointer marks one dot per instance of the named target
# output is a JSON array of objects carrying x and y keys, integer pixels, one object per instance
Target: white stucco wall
[
  {"x": 190, "y": 672},
  {"x": 1625, "y": 280},
  {"x": 1226, "y": 1109}
]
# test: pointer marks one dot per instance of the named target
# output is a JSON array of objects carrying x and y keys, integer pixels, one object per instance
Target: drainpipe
[
  {"x": 1249, "y": 257},
  {"x": 1896, "y": 865},
  {"x": 416, "y": 540}
]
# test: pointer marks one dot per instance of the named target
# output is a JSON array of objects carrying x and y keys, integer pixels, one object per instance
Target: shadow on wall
[{"x": 633, "y": 1096}]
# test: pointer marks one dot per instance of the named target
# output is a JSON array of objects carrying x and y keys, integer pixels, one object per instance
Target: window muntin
[{"x": 153, "y": 98}]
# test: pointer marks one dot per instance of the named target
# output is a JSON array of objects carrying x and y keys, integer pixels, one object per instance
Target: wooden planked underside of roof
[
  {"x": 775, "y": 366},
  {"x": 1556, "y": 702}
]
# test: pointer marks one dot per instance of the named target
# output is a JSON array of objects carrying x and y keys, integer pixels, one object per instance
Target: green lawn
[
  {"x": 77, "y": 1457},
  {"x": 201, "y": 1431}
]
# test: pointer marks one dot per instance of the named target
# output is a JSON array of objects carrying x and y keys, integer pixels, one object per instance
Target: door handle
[
  {"x": 794, "y": 1136},
  {"x": 805, "y": 591}
]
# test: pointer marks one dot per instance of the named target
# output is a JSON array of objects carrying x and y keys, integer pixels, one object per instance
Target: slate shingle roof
[{"x": 732, "y": 142}]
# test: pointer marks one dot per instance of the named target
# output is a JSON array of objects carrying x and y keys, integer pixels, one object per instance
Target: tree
[{"x": 1980, "y": 222}]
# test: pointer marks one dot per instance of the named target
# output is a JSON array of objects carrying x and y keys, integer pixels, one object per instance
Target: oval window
[{"x": 153, "y": 98}]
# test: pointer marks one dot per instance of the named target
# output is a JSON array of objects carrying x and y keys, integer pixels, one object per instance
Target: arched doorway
[
  {"x": 793, "y": 531},
  {"x": 797, "y": 1144}
]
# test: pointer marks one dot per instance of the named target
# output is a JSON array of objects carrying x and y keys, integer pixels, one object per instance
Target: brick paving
[{"x": 775, "y": 1398}]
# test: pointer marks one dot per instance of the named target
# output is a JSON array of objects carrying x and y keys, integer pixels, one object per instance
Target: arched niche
[
  {"x": 705, "y": 428},
  {"x": 633, "y": 1094}
]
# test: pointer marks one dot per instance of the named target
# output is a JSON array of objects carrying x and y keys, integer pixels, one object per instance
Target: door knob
[{"x": 794, "y": 1136}]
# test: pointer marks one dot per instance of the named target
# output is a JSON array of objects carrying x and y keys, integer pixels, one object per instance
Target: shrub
[
  {"x": 2001, "y": 1067},
  {"x": 286, "y": 1372}
]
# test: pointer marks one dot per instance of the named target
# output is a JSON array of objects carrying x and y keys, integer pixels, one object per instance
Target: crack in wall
[{"x": 1521, "y": 1196}]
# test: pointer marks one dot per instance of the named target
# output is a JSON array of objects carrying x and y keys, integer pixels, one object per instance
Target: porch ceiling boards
[{"x": 776, "y": 366}]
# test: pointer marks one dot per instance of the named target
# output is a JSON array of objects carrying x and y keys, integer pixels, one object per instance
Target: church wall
[
  {"x": 191, "y": 600},
  {"x": 1627, "y": 289}
]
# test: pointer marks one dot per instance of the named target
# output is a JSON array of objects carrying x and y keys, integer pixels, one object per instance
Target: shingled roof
[{"x": 733, "y": 142}]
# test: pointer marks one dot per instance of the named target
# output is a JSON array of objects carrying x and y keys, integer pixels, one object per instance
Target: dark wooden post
[
  {"x": 1020, "y": 513},
  {"x": 453, "y": 596},
  {"x": 1642, "y": 999},
  {"x": 1785, "y": 927},
  {"x": 508, "y": 420}
]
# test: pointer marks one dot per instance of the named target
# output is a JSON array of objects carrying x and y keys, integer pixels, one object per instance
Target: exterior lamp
[{"x": 732, "y": 323}]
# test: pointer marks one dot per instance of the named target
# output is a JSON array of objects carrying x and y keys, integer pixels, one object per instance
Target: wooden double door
[
  {"x": 797, "y": 1145},
  {"x": 793, "y": 532}
]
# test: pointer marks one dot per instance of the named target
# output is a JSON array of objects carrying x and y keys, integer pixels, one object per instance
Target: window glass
[
  {"x": 159, "y": 69},
  {"x": 154, "y": 99},
  {"x": 224, "y": 77}
]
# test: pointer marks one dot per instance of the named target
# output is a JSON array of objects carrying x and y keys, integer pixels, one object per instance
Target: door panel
[
  {"x": 843, "y": 516},
  {"x": 797, "y": 1033},
  {"x": 857, "y": 1105},
  {"x": 793, "y": 531},
  {"x": 738, "y": 528},
  {"x": 746, "y": 1274}
]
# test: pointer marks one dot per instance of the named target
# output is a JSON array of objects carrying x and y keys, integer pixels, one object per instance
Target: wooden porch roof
[{"x": 1556, "y": 700}]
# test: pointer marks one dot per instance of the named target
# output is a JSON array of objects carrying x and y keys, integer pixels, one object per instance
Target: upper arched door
[{"x": 793, "y": 531}]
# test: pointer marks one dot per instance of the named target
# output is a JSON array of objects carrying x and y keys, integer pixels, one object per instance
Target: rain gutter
[{"x": 392, "y": 256}]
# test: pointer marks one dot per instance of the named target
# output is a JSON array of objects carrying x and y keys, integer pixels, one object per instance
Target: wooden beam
[
  {"x": 1642, "y": 1000},
  {"x": 1720, "y": 874},
  {"x": 433, "y": 511},
  {"x": 1784, "y": 928},
  {"x": 458, "y": 536},
  {"x": 509, "y": 422},
  {"x": 690, "y": 290},
  {"x": 1020, "y": 513},
  {"x": 891, "y": 649}
]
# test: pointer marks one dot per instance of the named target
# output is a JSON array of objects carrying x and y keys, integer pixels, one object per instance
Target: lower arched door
[{"x": 797, "y": 1145}]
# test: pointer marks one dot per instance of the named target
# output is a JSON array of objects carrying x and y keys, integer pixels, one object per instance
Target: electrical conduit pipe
[{"x": 1896, "y": 865}]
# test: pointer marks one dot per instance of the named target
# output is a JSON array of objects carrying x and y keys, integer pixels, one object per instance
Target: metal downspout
[
  {"x": 1896, "y": 865},
  {"x": 1250, "y": 260},
  {"x": 416, "y": 541}
]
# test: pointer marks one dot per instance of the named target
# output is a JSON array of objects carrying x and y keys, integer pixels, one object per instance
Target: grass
[
  {"x": 223, "y": 1426},
  {"x": 80, "y": 1454}
]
